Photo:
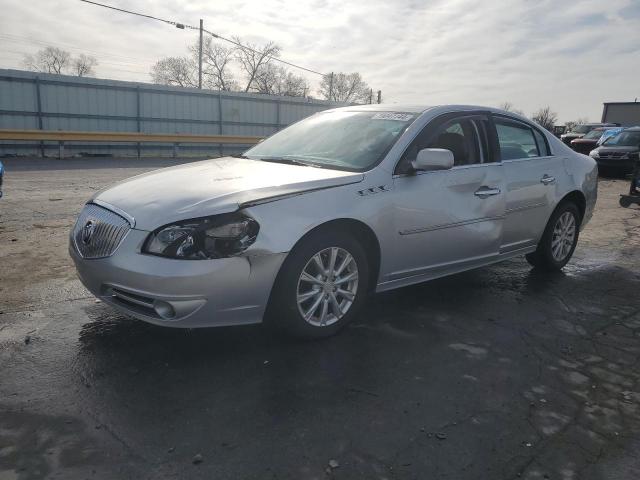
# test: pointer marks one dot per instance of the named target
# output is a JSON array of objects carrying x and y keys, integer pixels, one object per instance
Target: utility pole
[
  {"x": 331, "y": 87},
  {"x": 200, "y": 59}
]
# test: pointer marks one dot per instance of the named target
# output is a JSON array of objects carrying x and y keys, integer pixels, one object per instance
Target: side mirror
[{"x": 433, "y": 159}]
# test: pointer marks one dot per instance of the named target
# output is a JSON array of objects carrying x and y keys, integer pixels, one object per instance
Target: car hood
[
  {"x": 612, "y": 149},
  {"x": 213, "y": 186}
]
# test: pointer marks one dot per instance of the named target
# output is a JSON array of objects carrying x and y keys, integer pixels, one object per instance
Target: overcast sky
[{"x": 571, "y": 55}]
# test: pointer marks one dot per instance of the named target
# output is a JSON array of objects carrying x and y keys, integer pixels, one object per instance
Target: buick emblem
[{"x": 87, "y": 232}]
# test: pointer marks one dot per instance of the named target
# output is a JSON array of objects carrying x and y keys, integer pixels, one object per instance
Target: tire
[
  {"x": 547, "y": 256},
  {"x": 625, "y": 202},
  {"x": 286, "y": 313}
]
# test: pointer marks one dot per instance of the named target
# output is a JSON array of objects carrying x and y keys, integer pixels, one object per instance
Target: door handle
[
  {"x": 484, "y": 192},
  {"x": 547, "y": 179}
]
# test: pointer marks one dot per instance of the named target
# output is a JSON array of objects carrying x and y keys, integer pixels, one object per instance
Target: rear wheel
[
  {"x": 321, "y": 286},
  {"x": 625, "y": 201},
  {"x": 559, "y": 239}
]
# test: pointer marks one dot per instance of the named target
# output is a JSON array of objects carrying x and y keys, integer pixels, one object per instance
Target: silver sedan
[{"x": 354, "y": 200}]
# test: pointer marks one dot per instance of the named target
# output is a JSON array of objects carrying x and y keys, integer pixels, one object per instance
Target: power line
[
  {"x": 175, "y": 24},
  {"x": 254, "y": 51},
  {"x": 118, "y": 66},
  {"x": 192, "y": 27},
  {"x": 30, "y": 41}
]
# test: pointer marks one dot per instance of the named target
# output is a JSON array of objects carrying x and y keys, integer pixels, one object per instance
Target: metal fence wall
[{"x": 30, "y": 100}]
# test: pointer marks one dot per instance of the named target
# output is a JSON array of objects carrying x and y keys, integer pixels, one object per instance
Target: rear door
[
  {"x": 531, "y": 174},
  {"x": 447, "y": 220}
]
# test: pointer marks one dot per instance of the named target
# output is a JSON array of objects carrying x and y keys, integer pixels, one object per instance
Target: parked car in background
[
  {"x": 558, "y": 130},
  {"x": 608, "y": 133},
  {"x": 303, "y": 226},
  {"x": 1, "y": 176},
  {"x": 594, "y": 138},
  {"x": 580, "y": 131},
  {"x": 620, "y": 152},
  {"x": 588, "y": 142}
]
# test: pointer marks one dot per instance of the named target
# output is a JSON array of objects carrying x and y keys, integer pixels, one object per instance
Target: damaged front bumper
[{"x": 180, "y": 293}]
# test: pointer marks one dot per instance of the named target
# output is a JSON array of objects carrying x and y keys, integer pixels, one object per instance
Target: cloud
[{"x": 572, "y": 56}]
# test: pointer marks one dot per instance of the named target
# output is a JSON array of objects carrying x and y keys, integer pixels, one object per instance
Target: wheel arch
[
  {"x": 361, "y": 231},
  {"x": 578, "y": 198}
]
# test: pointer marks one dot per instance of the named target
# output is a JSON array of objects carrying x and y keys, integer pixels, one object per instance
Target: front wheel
[
  {"x": 559, "y": 239},
  {"x": 322, "y": 285}
]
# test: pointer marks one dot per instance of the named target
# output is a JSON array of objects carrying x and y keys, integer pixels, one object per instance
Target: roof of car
[
  {"x": 387, "y": 107},
  {"x": 412, "y": 108}
]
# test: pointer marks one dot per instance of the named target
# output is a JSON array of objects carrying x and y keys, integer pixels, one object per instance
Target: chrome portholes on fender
[{"x": 327, "y": 286}]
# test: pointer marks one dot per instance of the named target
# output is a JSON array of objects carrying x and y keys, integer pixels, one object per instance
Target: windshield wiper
[
  {"x": 239, "y": 155},
  {"x": 284, "y": 160}
]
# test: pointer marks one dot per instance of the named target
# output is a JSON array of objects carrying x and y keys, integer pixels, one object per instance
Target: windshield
[
  {"x": 581, "y": 129},
  {"x": 609, "y": 133},
  {"x": 624, "y": 139},
  {"x": 593, "y": 134},
  {"x": 342, "y": 139}
]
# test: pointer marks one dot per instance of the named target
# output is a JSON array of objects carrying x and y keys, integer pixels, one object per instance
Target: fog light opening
[{"x": 164, "y": 309}]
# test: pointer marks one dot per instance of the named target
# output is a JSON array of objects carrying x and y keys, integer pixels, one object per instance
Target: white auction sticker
[{"x": 401, "y": 117}]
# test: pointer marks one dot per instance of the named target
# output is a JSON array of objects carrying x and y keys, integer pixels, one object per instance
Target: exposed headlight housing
[{"x": 218, "y": 236}]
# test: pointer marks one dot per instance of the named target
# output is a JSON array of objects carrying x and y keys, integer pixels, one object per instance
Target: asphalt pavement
[{"x": 502, "y": 373}]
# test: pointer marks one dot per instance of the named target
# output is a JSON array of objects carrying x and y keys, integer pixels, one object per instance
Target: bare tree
[
  {"x": 277, "y": 80},
  {"x": 292, "y": 85},
  {"x": 254, "y": 57},
  {"x": 545, "y": 117},
  {"x": 343, "y": 87},
  {"x": 48, "y": 60},
  {"x": 216, "y": 63},
  {"x": 83, "y": 65},
  {"x": 509, "y": 107},
  {"x": 176, "y": 71},
  {"x": 58, "y": 61},
  {"x": 573, "y": 123}
]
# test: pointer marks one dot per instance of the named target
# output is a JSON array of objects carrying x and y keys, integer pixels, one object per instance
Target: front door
[{"x": 449, "y": 220}]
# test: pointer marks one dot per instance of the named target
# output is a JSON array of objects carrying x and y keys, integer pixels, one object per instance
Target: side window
[
  {"x": 543, "y": 147},
  {"x": 516, "y": 140},
  {"x": 458, "y": 135}
]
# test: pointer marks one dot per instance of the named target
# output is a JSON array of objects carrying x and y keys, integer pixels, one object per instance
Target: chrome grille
[
  {"x": 613, "y": 154},
  {"x": 98, "y": 231}
]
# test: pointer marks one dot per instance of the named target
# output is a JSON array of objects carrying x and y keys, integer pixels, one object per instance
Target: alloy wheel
[
  {"x": 327, "y": 286},
  {"x": 564, "y": 233}
]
